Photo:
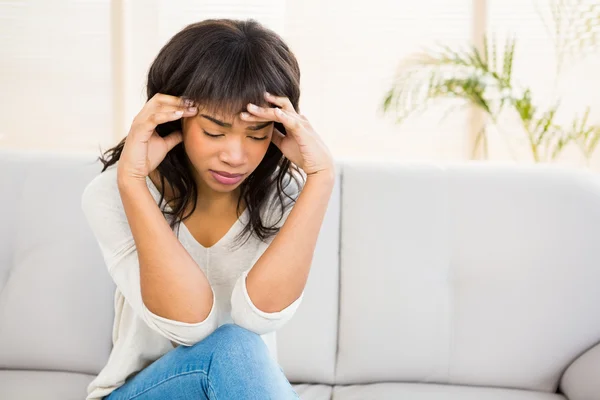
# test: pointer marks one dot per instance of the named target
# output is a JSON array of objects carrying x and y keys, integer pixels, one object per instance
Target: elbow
[
  {"x": 191, "y": 339},
  {"x": 190, "y": 334},
  {"x": 258, "y": 322},
  {"x": 260, "y": 327},
  {"x": 245, "y": 313},
  {"x": 269, "y": 307},
  {"x": 181, "y": 332},
  {"x": 188, "y": 318}
]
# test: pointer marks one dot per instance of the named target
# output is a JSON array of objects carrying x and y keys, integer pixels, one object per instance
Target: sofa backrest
[
  {"x": 473, "y": 273},
  {"x": 56, "y": 298}
]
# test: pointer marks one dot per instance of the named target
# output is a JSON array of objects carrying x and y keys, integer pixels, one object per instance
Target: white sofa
[{"x": 430, "y": 282}]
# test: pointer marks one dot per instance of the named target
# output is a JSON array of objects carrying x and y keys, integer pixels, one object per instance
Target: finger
[
  {"x": 173, "y": 139},
  {"x": 166, "y": 99},
  {"x": 175, "y": 112},
  {"x": 166, "y": 103},
  {"x": 280, "y": 101},
  {"x": 277, "y": 137},
  {"x": 150, "y": 123},
  {"x": 291, "y": 122},
  {"x": 252, "y": 118},
  {"x": 187, "y": 111},
  {"x": 153, "y": 108}
]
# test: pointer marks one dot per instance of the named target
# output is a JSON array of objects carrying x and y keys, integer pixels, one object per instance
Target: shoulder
[
  {"x": 103, "y": 191},
  {"x": 101, "y": 188}
]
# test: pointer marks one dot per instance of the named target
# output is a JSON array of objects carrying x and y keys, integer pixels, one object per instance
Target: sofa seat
[
  {"x": 308, "y": 391},
  {"x": 422, "y": 391},
  {"x": 474, "y": 273},
  {"x": 47, "y": 385}
]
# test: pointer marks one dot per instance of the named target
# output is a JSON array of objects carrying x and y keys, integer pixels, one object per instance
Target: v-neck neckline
[
  {"x": 183, "y": 226},
  {"x": 223, "y": 238}
]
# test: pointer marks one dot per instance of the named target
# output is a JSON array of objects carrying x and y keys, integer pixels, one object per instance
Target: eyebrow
[{"x": 226, "y": 125}]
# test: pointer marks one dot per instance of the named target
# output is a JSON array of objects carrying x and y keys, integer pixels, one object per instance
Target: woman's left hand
[{"x": 302, "y": 145}]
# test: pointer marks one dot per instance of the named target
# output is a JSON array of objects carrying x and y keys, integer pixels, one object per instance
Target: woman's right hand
[{"x": 145, "y": 149}]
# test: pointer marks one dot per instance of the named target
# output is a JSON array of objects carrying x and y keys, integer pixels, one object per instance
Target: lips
[
  {"x": 227, "y": 180},
  {"x": 226, "y": 174}
]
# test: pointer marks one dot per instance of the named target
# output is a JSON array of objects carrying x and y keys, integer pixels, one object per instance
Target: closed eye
[{"x": 251, "y": 137}]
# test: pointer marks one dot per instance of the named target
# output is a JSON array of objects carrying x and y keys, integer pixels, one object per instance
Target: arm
[
  {"x": 279, "y": 276},
  {"x": 150, "y": 267},
  {"x": 281, "y": 268},
  {"x": 172, "y": 284},
  {"x": 267, "y": 296}
]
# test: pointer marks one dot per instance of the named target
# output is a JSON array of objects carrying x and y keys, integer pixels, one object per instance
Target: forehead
[
  {"x": 225, "y": 116},
  {"x": 220, "y": 119},
  {"x": 227, "y": 111},
  {"x": 230, "y": 121}
]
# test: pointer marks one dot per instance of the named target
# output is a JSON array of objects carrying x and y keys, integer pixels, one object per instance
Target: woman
[{"x": 215, "y": 155}]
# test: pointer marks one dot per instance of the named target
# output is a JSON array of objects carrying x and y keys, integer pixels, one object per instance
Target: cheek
[
  {"x": 198, "y": 146},
  {"x": 258, "y": 152}
]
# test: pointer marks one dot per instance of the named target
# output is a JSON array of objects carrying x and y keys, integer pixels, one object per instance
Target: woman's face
[{"x": 237, "y": 148}]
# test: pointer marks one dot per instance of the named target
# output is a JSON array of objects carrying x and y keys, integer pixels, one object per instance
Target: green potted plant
[{"x": 483, "y": 79}]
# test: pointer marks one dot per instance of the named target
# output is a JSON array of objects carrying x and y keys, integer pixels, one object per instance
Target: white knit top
[{"x": 141, "y": 337}]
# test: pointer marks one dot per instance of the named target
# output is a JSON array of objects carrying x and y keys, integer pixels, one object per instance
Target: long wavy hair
[{"x": 223, "y": 64}]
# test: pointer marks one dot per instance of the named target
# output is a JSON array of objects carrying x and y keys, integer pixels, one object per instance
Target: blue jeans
[{"x": 231, "y": 363}]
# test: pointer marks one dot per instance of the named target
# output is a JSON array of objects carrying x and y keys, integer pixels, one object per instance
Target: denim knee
[
  {"x": 232, "y": 336},
  {"x": 237, "y": 345},
  {"x": 229, "y": 344},
  {"x": 238, "y": 365}
]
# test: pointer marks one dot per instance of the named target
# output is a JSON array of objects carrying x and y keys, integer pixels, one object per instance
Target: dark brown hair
[{"x": 223, "y": 65}]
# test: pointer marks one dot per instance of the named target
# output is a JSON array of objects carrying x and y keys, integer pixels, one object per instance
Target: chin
[{"x": 223, "y": 188}]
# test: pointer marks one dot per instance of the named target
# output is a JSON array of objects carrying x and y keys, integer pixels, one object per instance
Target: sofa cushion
[
  {"x": 313, "y": 392},
  {"x": 56, "y": 306},
  {"x": 419, "y": 391},
  {"x": 472, "y": 274},
  {"x": 394, "y": 301},
  {"x": 47, "y": 385},
  {"x": 307, "y": 344}
]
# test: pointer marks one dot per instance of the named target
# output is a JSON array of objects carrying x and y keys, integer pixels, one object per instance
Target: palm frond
[
  {"x": 583, "y": 133},
  {"x": 481, "y": 136},
  {"x": 484, "y": 79},
  {"x": 544, "y": 125},
  {"x": 584, "y": 35},
  {"x": 507, "y": 66},
  {"x": 574, "y": 27},
  {"x": 525, "y": 108},
  {"x": 459, "y": 74}
]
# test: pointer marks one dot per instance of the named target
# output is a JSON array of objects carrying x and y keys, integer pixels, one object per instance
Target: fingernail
[
  {"x": 192, "y": 109},
  {"x": 245, "y": 114},
  {"x": 178, "y": 112},
  {"x": 268, "y": 94},
  {"x": 253, "y": 107}
]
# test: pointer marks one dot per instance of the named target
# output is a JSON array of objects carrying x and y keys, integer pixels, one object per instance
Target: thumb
[
  {"x": 173, "y": 140},
  {"x": 277, "y": 138}
]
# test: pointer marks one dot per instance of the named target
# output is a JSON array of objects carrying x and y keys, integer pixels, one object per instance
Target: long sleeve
[
  {"x": 243, "y": 312},
  {"x": 103, "y": 209}
]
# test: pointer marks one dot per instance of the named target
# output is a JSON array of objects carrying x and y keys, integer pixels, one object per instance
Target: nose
[{"x": 234, "y": 154}]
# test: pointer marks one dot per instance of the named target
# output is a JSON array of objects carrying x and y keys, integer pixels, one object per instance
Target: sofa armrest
[{"x": 580, "y": 380}]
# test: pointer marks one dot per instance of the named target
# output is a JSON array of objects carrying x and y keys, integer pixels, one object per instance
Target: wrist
[
  {"x": 128, "y": 182},
  {"x": 326, "y": 176}
]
